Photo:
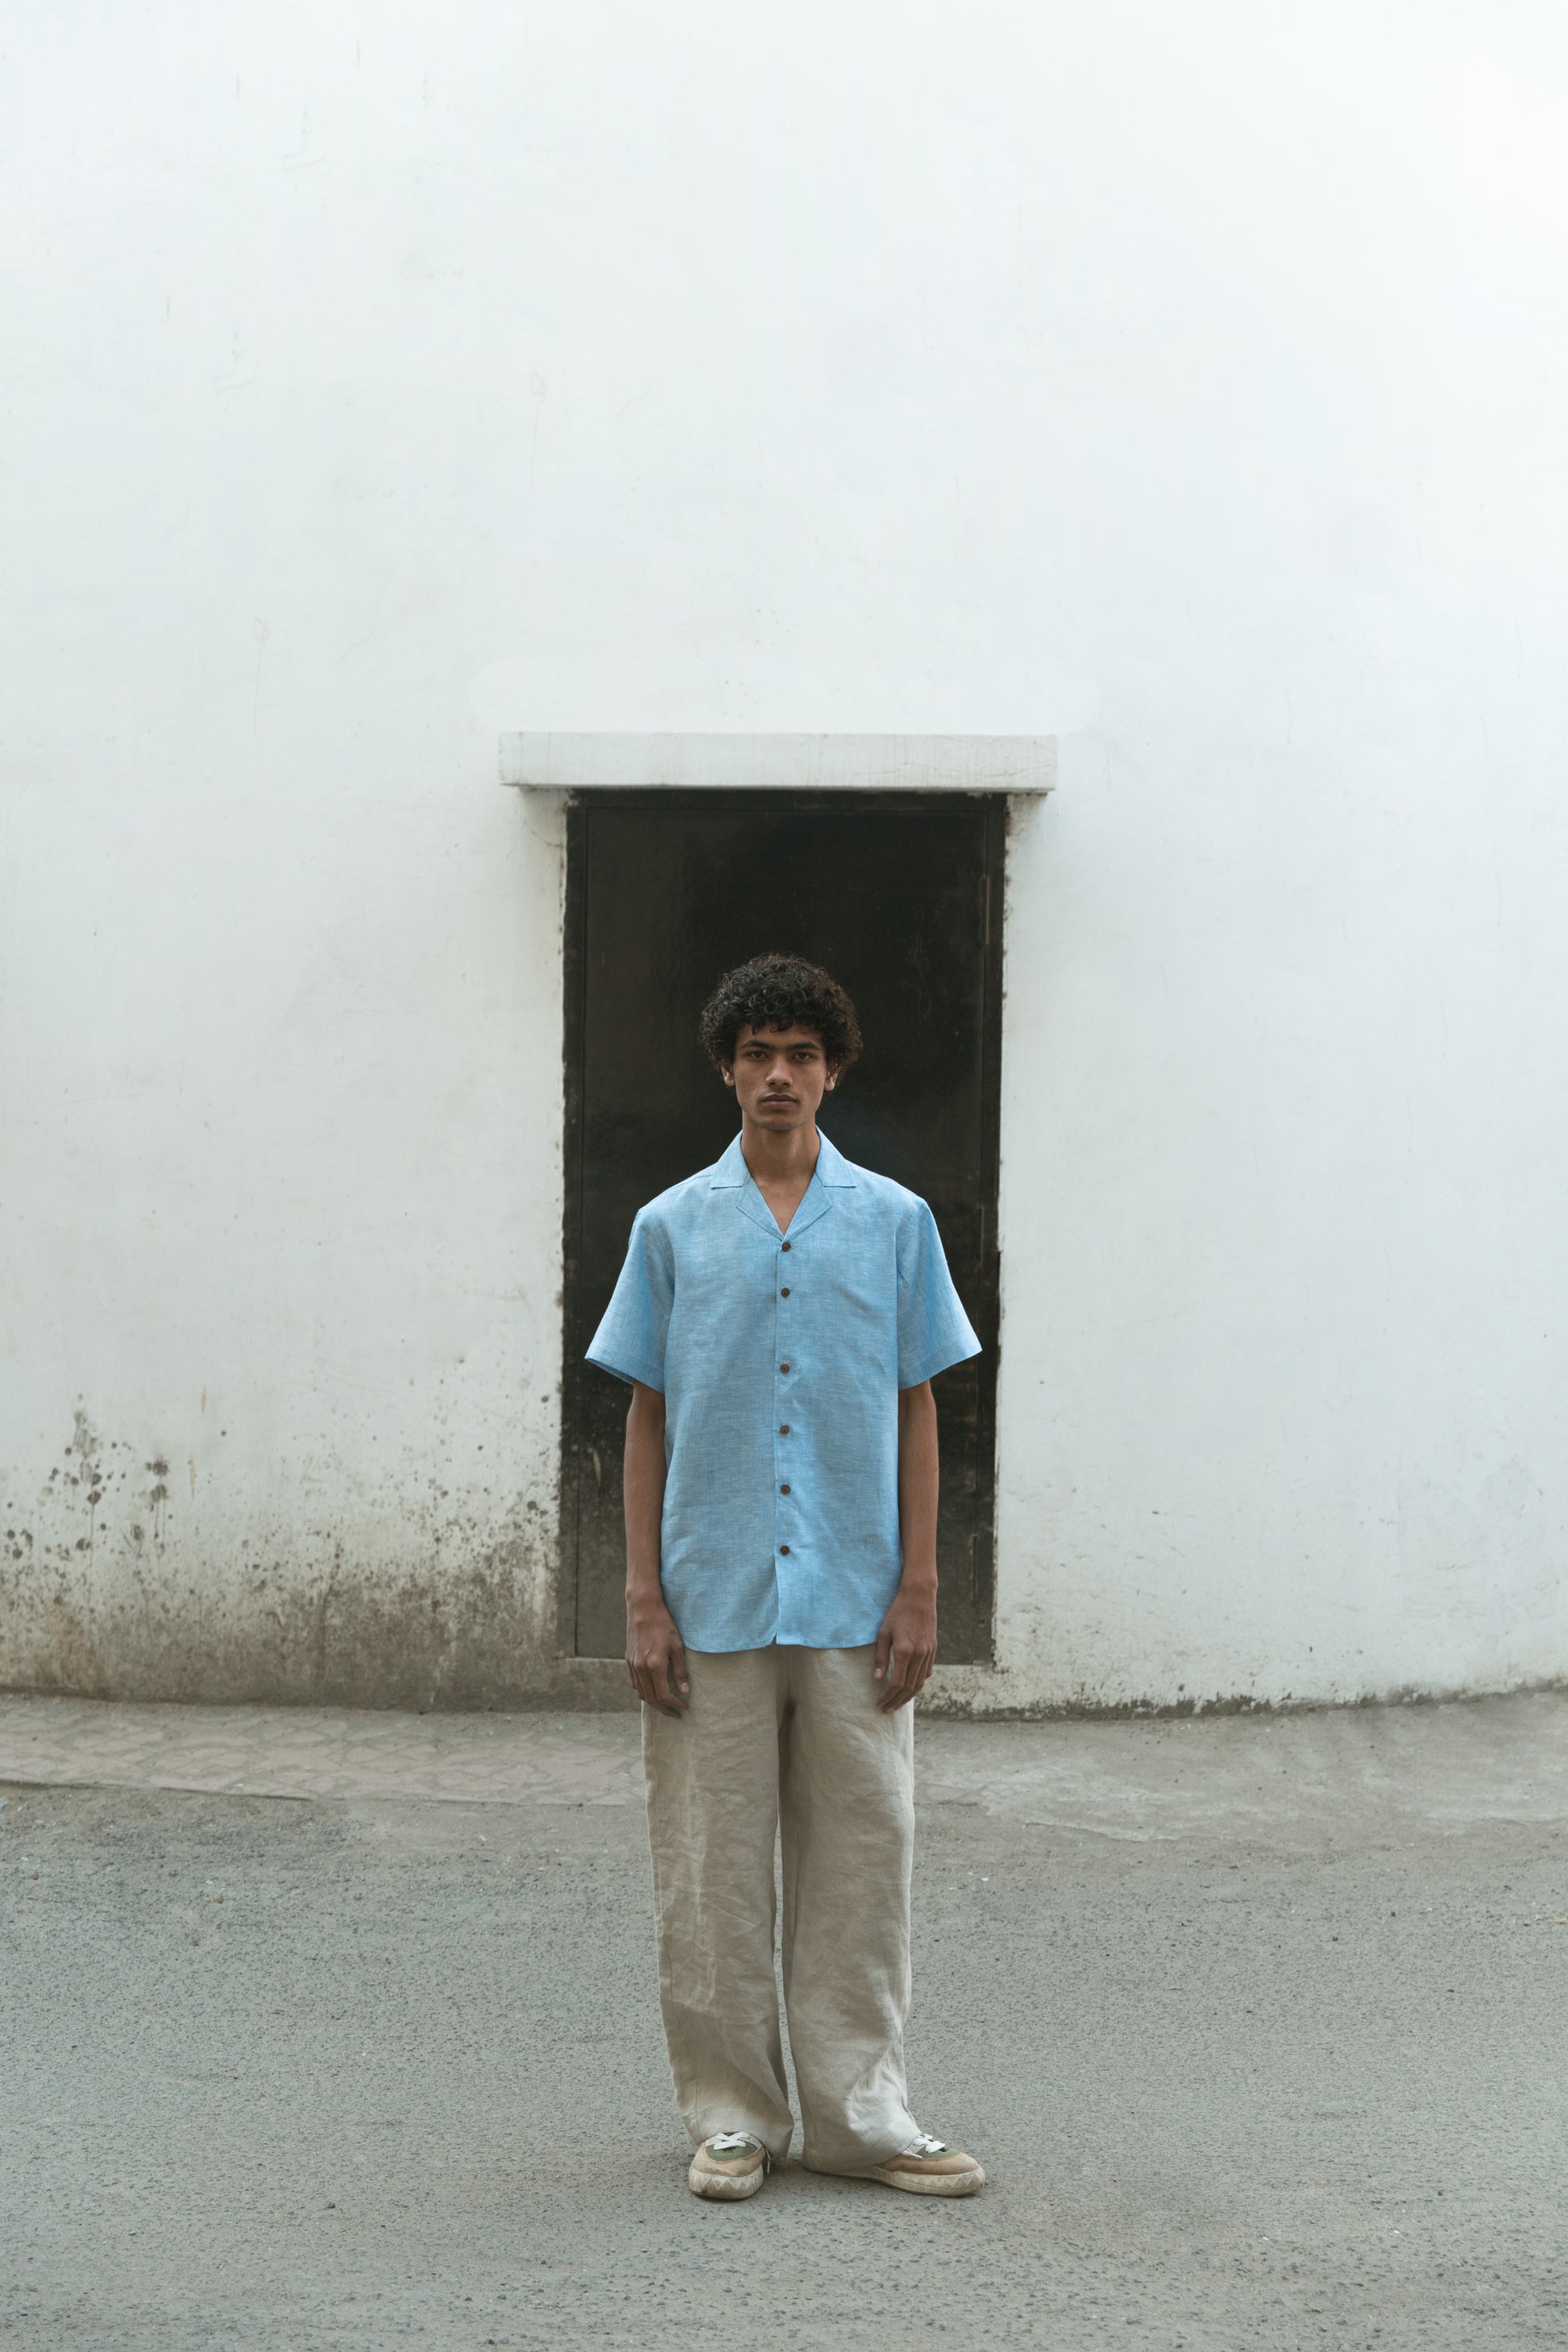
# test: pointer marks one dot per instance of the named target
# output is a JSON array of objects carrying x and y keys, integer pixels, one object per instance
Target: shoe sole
[
  {"x": 727, "y": 2187},
  {"x": 927, "y": 2184}
]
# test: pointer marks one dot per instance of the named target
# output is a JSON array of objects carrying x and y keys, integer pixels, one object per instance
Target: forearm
[
  {"x": 918, "y": 1488},
  {"x": 642, "y": 1489},
  {"x": 655, "y": 1657},
  {"x": 906, "y": 1646}
]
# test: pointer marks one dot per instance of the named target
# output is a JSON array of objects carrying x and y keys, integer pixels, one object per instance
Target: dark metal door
[{"x": 900, "y": 897}]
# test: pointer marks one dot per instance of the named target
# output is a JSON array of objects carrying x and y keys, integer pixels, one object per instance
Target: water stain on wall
[{"x": 435, "y": 1597}]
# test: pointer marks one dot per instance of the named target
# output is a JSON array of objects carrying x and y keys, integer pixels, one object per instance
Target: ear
[
  {"x": 727, "y": 1073},
  {"x": 832, "y": 1082}
]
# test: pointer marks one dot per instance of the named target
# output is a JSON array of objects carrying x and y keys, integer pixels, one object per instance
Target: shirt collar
[
  {"x": 732, "y": 1170},
  {"x": 832, "y": 1173},
  {"x": 832, "y": 1168}
]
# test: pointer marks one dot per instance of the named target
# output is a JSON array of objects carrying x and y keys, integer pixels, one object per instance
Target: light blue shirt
[{"x": 781, "y": 1357}]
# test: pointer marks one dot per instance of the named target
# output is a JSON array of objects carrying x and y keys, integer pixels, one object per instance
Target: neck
[{"x": 779, "y": 1158}]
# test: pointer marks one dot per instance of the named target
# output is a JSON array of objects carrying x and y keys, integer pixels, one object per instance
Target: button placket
[
  {"x": 784, "y": 1492},
  {"x": 783, "y": 1486}
]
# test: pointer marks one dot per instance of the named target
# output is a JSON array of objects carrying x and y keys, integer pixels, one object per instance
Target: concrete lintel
[{"x": 849, "y": 763}]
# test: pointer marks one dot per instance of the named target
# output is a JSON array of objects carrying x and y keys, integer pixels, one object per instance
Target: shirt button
[
  {"x": 784, "y": 1547},
  {"x": 783, "y": 1429},
  {"x": 785, "y": 1292},
  {"x": 783, "y": 1245},
  {"x": 784, "y": 1490},
  {"x": 783, "y": 1368}
]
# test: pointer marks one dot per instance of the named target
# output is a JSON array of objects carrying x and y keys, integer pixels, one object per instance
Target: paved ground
[{"x": 1260, "y": 2024}]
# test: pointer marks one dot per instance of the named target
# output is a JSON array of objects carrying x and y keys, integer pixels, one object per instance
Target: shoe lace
[
  {"x": 923, "y": 2144},
  {"x": 727, "y": 2140}
]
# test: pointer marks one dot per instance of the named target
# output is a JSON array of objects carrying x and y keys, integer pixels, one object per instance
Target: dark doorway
[{"x": 900, "y": 897}]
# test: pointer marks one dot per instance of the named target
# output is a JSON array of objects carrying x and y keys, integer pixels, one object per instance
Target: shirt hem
[
  {"x": 645, "y": 1373},
  {"x": 940, "y": 1363},
  {"x": 775, "y": 1641}
]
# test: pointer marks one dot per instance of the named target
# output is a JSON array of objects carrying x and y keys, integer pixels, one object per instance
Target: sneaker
[
  {"x": 929, "y": 2168},
  {"x": 734, "y": 2164}
]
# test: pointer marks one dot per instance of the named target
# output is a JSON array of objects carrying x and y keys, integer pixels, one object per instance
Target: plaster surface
[{"x": 1179, "y": 384}]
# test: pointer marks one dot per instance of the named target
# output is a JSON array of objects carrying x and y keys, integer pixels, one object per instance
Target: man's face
[{"x": 780, "y": 1075}]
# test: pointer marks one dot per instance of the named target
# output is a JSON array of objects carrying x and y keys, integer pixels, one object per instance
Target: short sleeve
[
  {"x": 629, "y": 1342},
  {"x": 933, "y": 1329}
]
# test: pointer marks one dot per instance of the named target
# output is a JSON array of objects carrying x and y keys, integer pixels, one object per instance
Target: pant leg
[
  {"x": 846, "y": 1812},
  {"x": 712, "y": 1812}
]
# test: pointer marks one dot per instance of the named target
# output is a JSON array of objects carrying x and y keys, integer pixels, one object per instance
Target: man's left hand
[{"x": 906, "y": 1648}]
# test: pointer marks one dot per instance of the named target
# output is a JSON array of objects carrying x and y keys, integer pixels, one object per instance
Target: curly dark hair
[{"x": 775, "y": 992}]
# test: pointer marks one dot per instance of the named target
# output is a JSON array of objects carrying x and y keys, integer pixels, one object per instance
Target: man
[{"x": 780, "y": 1318}]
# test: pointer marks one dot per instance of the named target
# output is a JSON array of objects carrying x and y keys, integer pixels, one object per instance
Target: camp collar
[{"x": 833, "y": 1173}]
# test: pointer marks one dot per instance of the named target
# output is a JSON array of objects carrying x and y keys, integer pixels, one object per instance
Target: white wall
[{"x": 1186, "y": 381}]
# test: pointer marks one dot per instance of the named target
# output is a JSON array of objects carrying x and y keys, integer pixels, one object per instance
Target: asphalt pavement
[{"x": 330, "y": 2031}]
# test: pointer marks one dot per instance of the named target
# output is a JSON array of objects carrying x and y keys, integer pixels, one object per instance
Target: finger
[
  {"x": 653, "y": 1696},
  {"x": 678, "y": 1662},
  {"x": 649, "y": 1690},
  {"x": 884, "y": 1644},
  {"x": 917, "y": 1668},
  {"x": 666, "y": 1698},
  {"x": 908, "y": 1687}
]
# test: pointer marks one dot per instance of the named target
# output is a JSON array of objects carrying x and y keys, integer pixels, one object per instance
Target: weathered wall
[
  {"x": 281, "y": 1375},
  {"x": 1187, "y": 382}
]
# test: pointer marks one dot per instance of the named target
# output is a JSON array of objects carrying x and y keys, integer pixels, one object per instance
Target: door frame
[{"x": 580, "y": 806}]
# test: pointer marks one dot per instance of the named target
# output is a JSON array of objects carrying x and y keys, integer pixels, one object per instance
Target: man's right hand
[{"x": 656, "y": 1657}]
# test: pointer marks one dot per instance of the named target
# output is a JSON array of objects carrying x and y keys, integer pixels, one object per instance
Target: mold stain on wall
[{"x": 427, "y": 1594}]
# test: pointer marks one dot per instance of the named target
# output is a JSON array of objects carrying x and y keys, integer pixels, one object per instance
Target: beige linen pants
[{"x": 785, "y": 1742}]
